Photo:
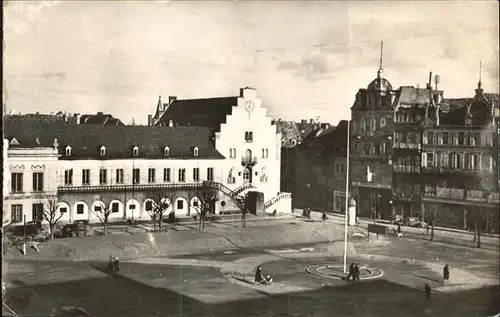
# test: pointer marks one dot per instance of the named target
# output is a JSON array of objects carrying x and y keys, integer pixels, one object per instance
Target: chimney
[
  {"x": 76, "y": 116},
  {"x": 100, "y": 113},
  {"x": 429, "y": 84},
  {"x": 303, "y": 121},
  {"x": 311, "y": 121},
  {"x": 171, "y": 99},
  {"x": 150, "y": 120}
]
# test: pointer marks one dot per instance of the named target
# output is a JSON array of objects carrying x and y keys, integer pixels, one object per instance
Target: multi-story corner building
[
  {"x": 371, "y": 147},
  {"x": 124, "y": 167},
  {"x": 459, "y": 164},
  {"x": 412, "y": 107}
]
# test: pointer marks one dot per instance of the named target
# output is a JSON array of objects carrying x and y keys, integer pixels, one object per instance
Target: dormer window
[
  {"x": 136, "y": 151},
  {"x": 195, "y": 151},
  {"x": 293, "y": 142},
  {"x": 103, "y": 150},
  {"x": 383, "y": 123},
  {"x": 166, "y": 151},
  {"x": 68, "y": 150}
]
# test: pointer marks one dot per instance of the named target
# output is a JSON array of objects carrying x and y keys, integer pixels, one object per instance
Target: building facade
[
  {"x": 371, "y": 147},
  {"x": 30, "y": 181},
  {"x": 460, "y": 165},
  {"x": 126, "y": 167},
  {"x": 413, "y": 107}
]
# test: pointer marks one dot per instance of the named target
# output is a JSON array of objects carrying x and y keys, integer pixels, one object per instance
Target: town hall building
[{"x": 226, "y": 144}]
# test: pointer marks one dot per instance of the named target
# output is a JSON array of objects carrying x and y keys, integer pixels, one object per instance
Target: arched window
[
  {"x": 248, "y": 153},
  {"x": 195, "y": 151},
  {"x": 68, "y": 150},
  {"x": 166, "y": 151},
  {"x": 234, "y": 153},
  {"x": 246, "y": 136},
  {"x": 136, "y": 151},
  {"x": 103, "y": 150},
  {"x": 230, "y": 153},
  {"x": 267, "y": 153},
  {"x": 250, "y": 136},
  {"x": 373, "y": 124},
  {"x": 363, "y": 125},
  {"x": 383, "y": 122},
  {"x": 263, "y": 153},
  {"x": 293, "y": 142}
]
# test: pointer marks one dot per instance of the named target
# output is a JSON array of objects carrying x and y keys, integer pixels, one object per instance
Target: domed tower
[{"x": 379, "y": 92}]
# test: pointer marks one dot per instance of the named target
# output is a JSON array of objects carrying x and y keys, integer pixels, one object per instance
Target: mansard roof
[
  {"x": 86, "y": 140},
  {"x": 100, "y": 118},
  {"x": 208, "y": 112}
]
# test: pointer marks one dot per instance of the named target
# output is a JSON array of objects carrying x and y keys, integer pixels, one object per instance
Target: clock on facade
[{"x": 249, "y": 106}]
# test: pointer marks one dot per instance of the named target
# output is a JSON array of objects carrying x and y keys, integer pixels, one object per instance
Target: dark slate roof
[
  {"x": 42, "y": 118},
  {"x": 289, "y": 131},
  {"x": 209, "y": 112},
  {"x": 335, "y": 142},
  {"x": 86, "y": 140},
  {"x": 380, "y": 84},
  {"x": 100, "y": 118},
  {"x": 414, "y": 96}
]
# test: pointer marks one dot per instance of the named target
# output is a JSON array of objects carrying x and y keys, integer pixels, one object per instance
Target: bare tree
[
  {"x": 102, "y": 212},
  {"x": 51, "y": 215},
  {"x": 161, "y": 202},
  {"x": 206, "y": 203}
]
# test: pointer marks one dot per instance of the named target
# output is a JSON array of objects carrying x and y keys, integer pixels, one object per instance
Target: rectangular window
[
  {"x": 149, "y": 205},
  {"x": 166, "y": 175},
  {"x": 63, "y": 210},
  {"x": 85, "y": 177},
  {"x": 97, "y": 208},
  {"x": 68, "y": 177},
  {"x": 38, "y": 182},
  {"x": 151, "y": 175},
  {"x": 430, "y": 159},
  {"x": 210, "y": 174},
  {"x": 182, "y": 174},
  {"x": 16, "y": 213},
  {"x": 17, "y": 183},
  {"x": 37, "y": 212},
  {"x": 115, "y": 207},
  {"x": 461, "y": 138},
  {"x": 119, "y": 176},
  {"x": 196, "y": 174},
  {"x": 136, "y": 176},
  {"x": 103, "y": 176},
  {"x": 180, "y": 204},
  {"x": 445, "y": 138},
  {"x": 79, "y": 209}
]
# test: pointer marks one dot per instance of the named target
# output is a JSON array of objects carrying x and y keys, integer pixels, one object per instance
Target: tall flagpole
[{"x": 346, "y": 195}]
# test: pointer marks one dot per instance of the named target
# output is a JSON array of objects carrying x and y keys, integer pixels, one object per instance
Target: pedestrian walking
[
  {"x": 356, "y": 273},
  {"x": 323, "y": 216},
  {"x": 446, "y": 273},
  {"x": 427, "y": 291},
  {"x": 117, "y": 264},
  {"x": 399, "y": 233},
  {"x": 351, "y": 272}
]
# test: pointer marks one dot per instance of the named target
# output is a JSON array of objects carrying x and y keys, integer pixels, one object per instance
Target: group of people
[
  {"x": 114, "y": 263},
  {"x": 353, "y": 272}
]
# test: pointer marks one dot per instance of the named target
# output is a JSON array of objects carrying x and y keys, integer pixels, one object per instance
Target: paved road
[{"x": 38, "y": 286}]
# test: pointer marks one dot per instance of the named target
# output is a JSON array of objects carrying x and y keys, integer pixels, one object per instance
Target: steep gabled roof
[
  {"x": 86, "y": 140},
  {"x": 209, "y": 112},
  {"x": 99, "y": 118}
]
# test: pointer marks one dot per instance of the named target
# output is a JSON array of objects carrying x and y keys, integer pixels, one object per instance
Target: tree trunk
[
  {"x": 51, "y": 230},
  {"x": 160, "y": 218}
]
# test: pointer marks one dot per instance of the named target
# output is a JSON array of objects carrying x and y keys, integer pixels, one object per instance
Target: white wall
[{"x": 232, "y": 136}]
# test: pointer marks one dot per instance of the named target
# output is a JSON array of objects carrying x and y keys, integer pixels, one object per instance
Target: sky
[{"x": 306, "y": 59}]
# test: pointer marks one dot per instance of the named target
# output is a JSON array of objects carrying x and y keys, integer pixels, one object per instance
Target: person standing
[
  {"x": 356, "y": 273},
  {"x": 446, "y": 273},
  {"x": 351, "y": 272},
  {"x": 323, "y": 216},
  {"x": 427, "y": 291}
]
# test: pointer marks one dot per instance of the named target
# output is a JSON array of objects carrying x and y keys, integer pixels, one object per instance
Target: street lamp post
[{"x": 346, "y": 196}]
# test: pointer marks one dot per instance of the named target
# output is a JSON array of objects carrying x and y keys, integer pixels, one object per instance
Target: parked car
[{"x": 414, "y": 222}]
